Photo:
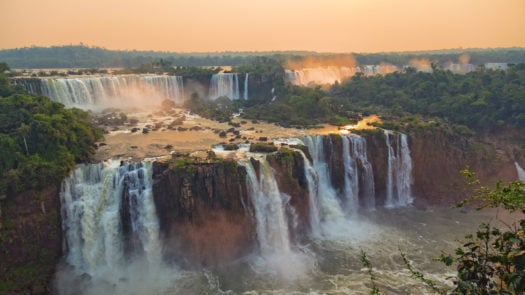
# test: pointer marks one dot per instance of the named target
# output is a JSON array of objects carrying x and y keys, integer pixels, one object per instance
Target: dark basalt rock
[{"x": 203, "y": 209}]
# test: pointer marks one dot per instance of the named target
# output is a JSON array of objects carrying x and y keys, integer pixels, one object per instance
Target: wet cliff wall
[{"x": 202, "y": 210}]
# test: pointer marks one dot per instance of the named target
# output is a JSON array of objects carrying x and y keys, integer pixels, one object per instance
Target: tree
[
  {"x": 4, "y": 67},
  {"x": 493, "y": 260}
]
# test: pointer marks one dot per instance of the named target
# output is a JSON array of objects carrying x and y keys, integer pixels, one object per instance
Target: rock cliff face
[
  {"x": 203, "y": 211},
  {"x": 30, "y": 241},
  {"x": 438, "y": 157},
  {"x": 378, "y": 157},
  {"x": 289, "y": 172}
]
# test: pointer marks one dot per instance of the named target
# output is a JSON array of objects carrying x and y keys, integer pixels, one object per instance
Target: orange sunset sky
[{"x": 263, "y": 25}]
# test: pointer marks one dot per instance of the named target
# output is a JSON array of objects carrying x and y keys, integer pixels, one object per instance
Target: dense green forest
[
  {"x": 80, "y": 56},
  {"x": 480, "y": 100},
  {"x": 40, "y": 140}
]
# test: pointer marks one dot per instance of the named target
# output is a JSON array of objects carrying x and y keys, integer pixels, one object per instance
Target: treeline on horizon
[
  {"x": 479, "y": 101},
  {"x": 80, "y": 56}
]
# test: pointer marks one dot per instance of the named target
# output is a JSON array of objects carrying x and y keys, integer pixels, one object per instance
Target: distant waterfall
[
  {"x": 225, "y": 85},
  {"x": 109, "y": 91},
  {"x": 319, "y": 75},
  {"x": 399, "y": 171},
  {"x": 92, "y": 202},
  {"x": 521, "y": 172},
  {"x": 331, "y": 210},
  {"x": 269, "y": 204},
  {"x": 359, "y": 176},
  {"x": 246, "y": 86}
]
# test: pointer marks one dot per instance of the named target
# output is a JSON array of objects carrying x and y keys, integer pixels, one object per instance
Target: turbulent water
[
  {"x": 117, "y": 91},
  {"x": 98, "y": 258},
  {"x": 112, "y": 242}
]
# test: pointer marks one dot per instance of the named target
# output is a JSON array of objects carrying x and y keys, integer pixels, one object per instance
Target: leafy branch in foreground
[
  {"x": 492, "y": 261},
  {"x": 420, "y": 276},
  {"x": 368, "y": 265},
  {"x": 510, "y": 197}
]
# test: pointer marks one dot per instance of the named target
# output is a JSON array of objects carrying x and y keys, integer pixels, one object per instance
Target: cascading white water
[
  {"x": 111, "y": 91},
  {"x": 315, "y": 211},
  {"x": 246, "y": 86},
  {"x": 224, "y": 84},
  {"x": 278, "y": 256},
  {"x": 331, "y": 211},
  {"x": 399, "y": 171},
  {"x": 91, "y": 202},
  {"x": 272, "y": 225},
  {"x": 521, "y": 172},
  {"x": 354, "y": 157}
]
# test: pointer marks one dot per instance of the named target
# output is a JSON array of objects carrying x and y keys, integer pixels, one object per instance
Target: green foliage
[
  {"x": 478, "y": 100},
  {"x": 302, "y": 107},
  {"x": 195, "y": 72},
  {"x": 420, "y": 276},
  {"x": 41, "y": 141},
  {"x": 374, "y": 290},
  {"x": 220, "y": 109},
  {"x": 285, "y": 154},
  {"x": 262, "y": 148},
  {"x": 184, "y": 165},
  {"x": 4, "y": 67},
  {"x": 492, "y": 261},
  {"x": 230, "y": 147},
  {"x": 510, "y": 197},
  {"x": 80, "y": 56}
]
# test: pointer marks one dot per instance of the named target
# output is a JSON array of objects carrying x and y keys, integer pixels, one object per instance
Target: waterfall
[
  {"x": 311, "y": 178},
  {"x": 92, "y": 202},
  {"x": 225, "y": 85},
  {"x": 359, "y": 176},
  {"x": 399, "y": 171},
  {"x": 277, "y": 256},
  {"x": 246, "y": 86},
  {"x": 272, "y": 225},
  {"x": 319, "y": 75},
  {"x": 331, "y": 211},
  {"x": 110, "y": 91},
  {"x": 521, "y": 172}
]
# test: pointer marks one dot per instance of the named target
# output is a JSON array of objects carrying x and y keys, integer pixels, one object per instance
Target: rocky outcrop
[
  {"x": 203, "y": 211},
  {"x": 377, "y": 154},
  {"x": 30, "y": 241},
  {"x": 289, "y": 172}
]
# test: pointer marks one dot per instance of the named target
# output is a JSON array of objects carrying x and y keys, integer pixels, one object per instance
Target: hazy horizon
[
  {"x": 255, "y": 52},
  {"x": 334, "y": 26}
]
